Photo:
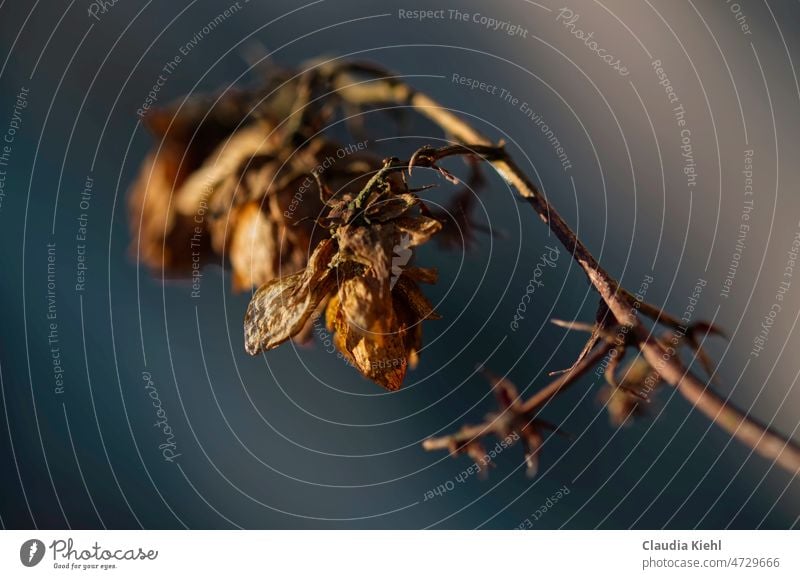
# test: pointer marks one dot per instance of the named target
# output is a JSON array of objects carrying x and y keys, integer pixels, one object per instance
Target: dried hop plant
[{"x": 360, "y": 276}]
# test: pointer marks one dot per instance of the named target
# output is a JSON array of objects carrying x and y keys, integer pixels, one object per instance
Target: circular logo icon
[{"x": 32, "y": 552}]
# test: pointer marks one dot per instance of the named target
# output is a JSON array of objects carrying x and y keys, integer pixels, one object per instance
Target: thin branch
[
  {"x": 752, "y": 433},
  {"x": 562, "y": 382},
  {"x": 527, "y": 410}
]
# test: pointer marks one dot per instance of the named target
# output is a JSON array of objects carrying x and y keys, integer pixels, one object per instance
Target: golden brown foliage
[
  {"x": 374, "y": 310},
  {"x": 224, "y": 181}
]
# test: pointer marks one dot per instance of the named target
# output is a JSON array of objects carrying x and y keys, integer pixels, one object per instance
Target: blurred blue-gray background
[{"x": 296, "y": 439}]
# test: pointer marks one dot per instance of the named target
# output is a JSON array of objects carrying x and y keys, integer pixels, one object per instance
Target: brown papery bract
[
  {"x": 246, "y": 179},
  {"x": 376, "y": 319}
]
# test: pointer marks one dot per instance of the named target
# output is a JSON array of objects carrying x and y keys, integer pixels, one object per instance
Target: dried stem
[
  {"x": 555, "y": 387},
  {"x": 752, "y": 433}
]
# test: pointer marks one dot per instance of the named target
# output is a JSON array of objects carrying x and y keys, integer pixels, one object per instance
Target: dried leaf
[
  {"x": 408, "y": 291},
  {"x": 422, "y": 274}
]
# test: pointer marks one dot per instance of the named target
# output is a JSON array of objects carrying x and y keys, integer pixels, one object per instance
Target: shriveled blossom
[
  {"x": 375, "y": 315},
  {"x": 622, "y": 405},
  {"x": 248, "y": 180},
  {"x": 187, "y": 136},
  {"x": 222, "y": 186},
  {"x": 628, "y": 391}
]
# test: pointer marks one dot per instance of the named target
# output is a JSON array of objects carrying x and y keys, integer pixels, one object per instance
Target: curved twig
[{"x": 764, "y": 440}]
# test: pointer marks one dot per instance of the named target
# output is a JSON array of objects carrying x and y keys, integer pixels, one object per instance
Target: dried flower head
[
  {"x": 228, "y": 181},
  {"x": 374, "y": 307},
  {"x": 237, "y": 165},
  {"x": 188, "y": 134}
]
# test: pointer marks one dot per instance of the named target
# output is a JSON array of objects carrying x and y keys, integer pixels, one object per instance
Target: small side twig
[{"x": 517, "y": 416}]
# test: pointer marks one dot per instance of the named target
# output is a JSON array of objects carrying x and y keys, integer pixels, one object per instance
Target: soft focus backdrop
[{"x": 295, "y": 439}]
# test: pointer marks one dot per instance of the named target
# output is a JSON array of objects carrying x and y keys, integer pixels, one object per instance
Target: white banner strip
[{"x": 390, "y": 554}]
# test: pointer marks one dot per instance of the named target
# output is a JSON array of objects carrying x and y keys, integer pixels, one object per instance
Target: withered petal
[
  {"x": 281, "y": 307},
  {"x": 150, "y": 214},
  {"x": 407, "y": 290},
  {"x": 161, "y": 237},
  {"x": 372, "y": 246},
  {"x": 428, "y": 275},
  {"x": 382, "y": 361},
  {"x": 379, "y": 355},
  {"x": 419, "y": 227},
  {"x": 221, "y": 164},
  {"x": 391, "y": 208},
  {"x": 411, "y": 331},
  {"x": 252, "y": 248},
  {"x": 278, "y": 310},
  {"x": 366, "y": 304},
  {"x": 335, "y": 322}
]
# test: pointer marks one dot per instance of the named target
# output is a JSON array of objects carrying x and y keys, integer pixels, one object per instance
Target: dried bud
[
  {"x": 624, "y": 398},
  {"x": 622, "y": 405}
]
